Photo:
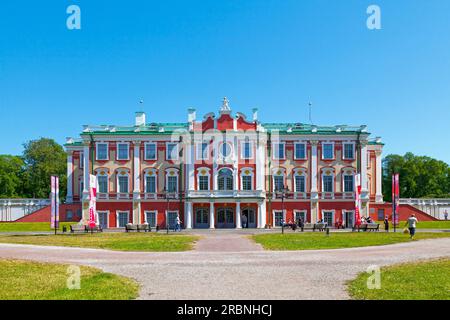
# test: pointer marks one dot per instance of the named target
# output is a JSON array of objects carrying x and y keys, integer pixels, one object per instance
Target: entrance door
[
  {"x": 103, "y": 219},
  {"x": 248, "y": 219},
  {"x": 349, "y": 219},
  {"x": 201, "y": 218},
  {"x": 225, "y": 218}
]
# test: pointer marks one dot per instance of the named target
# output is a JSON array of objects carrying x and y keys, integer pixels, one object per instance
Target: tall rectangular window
[
  {"x": 102, "y": 151},
  {"x": 328, "y": 217},
  {"x": 172, "y": 184},
  {"x": 123, "y": 184},
  {"x": 150, "y": 151},
  {"x": 348, "y": 183},
  {"x": 102, "y": 184},
  {"x": 122, "y": 151},
  {"x": 246, "y": 150},
  {"x": 279, "y": 217},
  {"x": 151, "y": 218},
  {"x": 203, "y": 183},
  {"x": 247, "y": 183},
  {"x": 278, "y": 183},
  {"x": 327, "y": 183},
  {"x": 150, "y": 184},
  {"x": 349, "y": 152},
  {"x": 299, "y": 183},
  {"x": 202, "y": 151},
  {"x": 300, "y": 151},
  {"x": 122, "y": 219},
  {"x": 172, "y": 151},
  {"x": 327, "y": 151},
  {"x": 278, "y": 151}
]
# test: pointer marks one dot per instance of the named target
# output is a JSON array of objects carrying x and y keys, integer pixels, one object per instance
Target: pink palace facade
[{"x": 222, "y": 170}]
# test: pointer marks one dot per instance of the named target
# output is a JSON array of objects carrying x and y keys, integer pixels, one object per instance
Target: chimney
[
  {"x": 191, "y": 115},
  {"x": 140, "y": 119},
  {"x": 255, "y": 114}
]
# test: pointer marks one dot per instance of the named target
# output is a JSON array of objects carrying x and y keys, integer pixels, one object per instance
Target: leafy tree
[
  {"x": 43, "y": 158},
  {"x": 420, "y": 176},
  {"x": 11, "y": 176}
]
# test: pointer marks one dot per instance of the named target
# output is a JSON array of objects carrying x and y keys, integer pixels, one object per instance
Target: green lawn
[
  {"x": 427, "y": 280},
  {"x": 144, "y": 241},
  {"x": 423, "y": 224},
  {"x": 318, "y": 240},
  {"x": 30, "y": 226},
  {"x": 26, "y": 280}
]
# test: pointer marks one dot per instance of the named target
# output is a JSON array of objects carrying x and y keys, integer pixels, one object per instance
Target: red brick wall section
[
  {"x": 405, "y": 211},
  {"x": 43, "y": 215}
]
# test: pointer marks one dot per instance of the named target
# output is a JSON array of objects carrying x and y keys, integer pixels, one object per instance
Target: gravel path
[{"x": 210, "y": 274}]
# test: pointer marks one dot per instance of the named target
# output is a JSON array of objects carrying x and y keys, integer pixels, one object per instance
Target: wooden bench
[
  {"x": 138, "y": 227},
  {"x": 94, "y": 229},
  {"x": 368, "y": 227},
  {"x": 77, "y": 228},
  {"x": 315, "y": 226}
]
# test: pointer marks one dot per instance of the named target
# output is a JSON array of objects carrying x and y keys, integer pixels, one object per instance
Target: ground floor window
[
  {"x": 328, "y": 217},
  {"x": 122, "y": 219},
  {"x": 172, "y": 218},
  {"x": 381, "y": 215},
  {"x": 150, "y": 218},
  {"x": 300, "y": 214},
  {"x": 201, "y": 218},
  {"x": 103, "y": 219},
  {"x": 278, "y": 218}
]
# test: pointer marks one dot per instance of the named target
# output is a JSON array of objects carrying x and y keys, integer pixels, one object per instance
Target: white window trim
[
  {"x": 176, "y": 153},
  {"x": 334, "y": 150},
  {"x": 343, "y": 150},
  {"x": 199, "y": 149},
  {"x": 275, "y": 154},
  {"x": 128, "y": 150},
  {"x": 295, "y": 150},
  {"x": 332, "y": 184},
  {"x": 107, "y": 217},
  {"x": 150, "y": 211},
  {"x": 273, "y": 216},
  {"x": 107, "y": 182},
  {"x": 166, "y": 216},
  {"x": 274, "y": 174},
  {"x": 96, "y": 151},
  {"x": 127, "y": 174},
  {"x": 305, "y": 212},
  {"x": 299, "y": 173},
  {"x": 145, "y": 150},
  {"x": 251, "y": 174},
  {"x": 343, "y": 182},
  {"x": 333, "y": 216},
  {"x": 207, "y": 174},
  {"x": 243, "y": 150},
  {"x": 154, "y": 174},
  {"x": 177, "y": 175},
  {"x": 117, "y": 216}
]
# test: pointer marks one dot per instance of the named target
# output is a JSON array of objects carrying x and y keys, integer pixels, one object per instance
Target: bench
[
  {"x": 94, "y": 229},
  {"x": 137, "y": 227},
  {"x": 77, "y": 228},
  {"x": 315, "y": 226},
  {"x": 368, "y": 227}
]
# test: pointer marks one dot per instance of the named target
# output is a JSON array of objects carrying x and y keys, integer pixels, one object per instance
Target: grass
[
  {"x": 113, "y": 241},
  {"x": 422, "y": 224},
  {"x": 318, "y": 240},
  {"x": 426, "y": 280},
  {"x": 26, "y": 280},
  {"x": 30, "y": 226}
]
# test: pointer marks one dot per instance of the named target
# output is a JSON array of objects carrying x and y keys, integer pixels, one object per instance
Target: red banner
[
  {"x": 54, "y": 200},
  {"x": 357, "y": 199},
  {"x": 92, "y": 200},
  {"x": 395, "y": 197}
]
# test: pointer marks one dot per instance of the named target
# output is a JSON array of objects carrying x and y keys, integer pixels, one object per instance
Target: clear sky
[{"x": 276, "y": 55}]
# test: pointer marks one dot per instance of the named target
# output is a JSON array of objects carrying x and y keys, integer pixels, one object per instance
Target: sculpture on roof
[{"x": 225, "y": 106}]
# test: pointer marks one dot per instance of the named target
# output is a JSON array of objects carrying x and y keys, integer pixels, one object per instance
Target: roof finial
[{"x": 225, "y": 106}]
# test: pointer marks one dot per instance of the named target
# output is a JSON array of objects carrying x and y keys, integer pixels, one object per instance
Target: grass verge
[
  {"x": 443, "y": 225},
  {"x": 30, "y": 226},
  {"x": 426, "y": 280},
  {"x": 114, "y": 241},
  {"x": 26, "y": 280},
  {"x": 318, "y": 240}
]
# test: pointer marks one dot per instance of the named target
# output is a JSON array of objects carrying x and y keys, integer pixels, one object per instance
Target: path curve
[{"x": 316, "y": 274}]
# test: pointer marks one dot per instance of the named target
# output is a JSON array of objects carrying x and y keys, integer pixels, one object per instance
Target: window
[
  {"x": 123, "y": 183},
  {"x": 278, "y": 183},
  {"x": 150, "y": 184},
  {"x": 122, "y": 151},
  {"x": 299, "y": 183},
  {"x": 328, "y": 217},
  {"x": 122, "y": 219},
  {"x": 225, "y": 179},
  {"x": 225, "y": 149},
  {"x": 81, "y": 160},
  {"x": 202, "y": 151},
  {"x": 348, "y": 183},
  {"x": 203, "y": 183},
  {"x": 349, "y": 152},
  {"x": 171, "y": 151},
  {"x": 247, "y": 182},
  {"x": 380, "y": 214},
  {"x": 278, "y": 218},
  {"x": 327, "y": 181},
  {"x": 300, "y": 215},
  {"x": 150, "y": 218},
  {"x": 246, "y": 150},
  {"x": 69, "y": 215},
  {"x": 102, "y": 151},
  {"x": 172, "y": 218},
  {"x": 300, "y": 151},
  {"x": 150, "y": 151},
  {"x": 172, "y": 183},
  {"x": 102, "y": 181},
  {"x": 328, "y": 151},
  {"x": 278, "y": 151}
]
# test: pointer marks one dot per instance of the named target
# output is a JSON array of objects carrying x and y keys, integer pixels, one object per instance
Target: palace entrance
[
  {"x": 248, "y": 219},
  {"x": 225, "y": 218}
]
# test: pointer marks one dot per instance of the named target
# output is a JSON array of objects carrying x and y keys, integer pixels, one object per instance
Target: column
[
  {"x": 238, "y": 215},
  {"x": 262, "y": 214},
  {"x": 188, "y": 215},
  {"x": 364, "y": 166},
  {"x": 69, "y": 196},
  {"x": 314, "y": 191},
  {"x": 260, "y": 165},
  {"x": 211, "y": 215},
  {"x": 136, "y": 183},
  {"x": 235, "y": 164},
  {"x": 85, "y": 196},
  {"x": 190, "y": 167},
  {"x": 378, "y": 190}
]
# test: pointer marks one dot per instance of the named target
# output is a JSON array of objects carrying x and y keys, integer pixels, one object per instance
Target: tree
[
  {"x": 43, "y": 158},
  {"x": 11, "y": 176},
  {"x": 420, "y": 176}
]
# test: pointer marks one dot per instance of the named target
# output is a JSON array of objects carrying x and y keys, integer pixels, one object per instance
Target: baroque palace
[{"x": 224, "y": 171}]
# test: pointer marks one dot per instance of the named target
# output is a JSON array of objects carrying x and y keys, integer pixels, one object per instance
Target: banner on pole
[
  {"x": 92, "y": 200},
  {"x": 54, "y": 201},
  {"x": 395, "y": 197},
  {"x": 357, "y": 199}
]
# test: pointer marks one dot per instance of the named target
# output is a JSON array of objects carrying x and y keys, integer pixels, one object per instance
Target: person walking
[
  {"x": 178, "y": 224},
  {"x": 300, "y": 224},
  {"x": 446, "y": 215},
  {"x": 386, "y": 224},
  {"x": 412, "y": 223},
  {"x": 244, "y": 221}
]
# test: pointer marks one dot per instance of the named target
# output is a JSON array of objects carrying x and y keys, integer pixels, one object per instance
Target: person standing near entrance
[
  {"x": 446, "y": 215},
  {"x": 178, "y": 223},
  {"x": 244, "y": 221},
  {"x": 386, "y": 224},
  {"x": 411, "y": 222}
]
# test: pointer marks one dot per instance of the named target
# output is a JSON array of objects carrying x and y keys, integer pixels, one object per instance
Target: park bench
[
  {"x": 131, "y": 227},
  {"x": 368, "y": 227},
  {"x": 315, "y": 226},
  {"x": 94, "y": 229},
  {"x": 144, "y": 227},
  {"x": 77, "y": 228}
]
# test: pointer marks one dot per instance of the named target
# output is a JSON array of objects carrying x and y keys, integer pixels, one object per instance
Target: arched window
[
  {"x": 102, "y": 181},
  {"x": 150, "y": 180},
  {"x": 327, "y": 180},
  {"x": 122, "y": 181},
  {"x": 225, "y": 179},
  {"x": 203, "y": 179},
  {"x": 278, "y": 180},
  {"x": 172, "y": 180},
  {"x": 348, "y": 180},
  {"x": 300, "y": 180},
  {"x": 247, "y": 179}
]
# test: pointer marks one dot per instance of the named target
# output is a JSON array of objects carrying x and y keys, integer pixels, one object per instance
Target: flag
[
  {"x": 92, "y": 200},
  {"x": 54, "y": 201},
  {"x": 395, "y": 196},
  {"x": 357, "y": 199}
]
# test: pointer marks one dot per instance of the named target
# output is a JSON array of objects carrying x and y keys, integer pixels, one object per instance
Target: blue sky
[{"x": 271, "y": 54}]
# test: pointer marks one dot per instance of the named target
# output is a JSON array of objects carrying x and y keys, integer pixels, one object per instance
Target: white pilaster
[
  {"x": 137, "y": 169},
  {"x": 69, "y": 196},
  {"x": 211, "y": 215},
  {"x": 190, "y": 174},
  {"x": 262, "y": 214},
  {"x": 313, "y": 166},
  {"x": 378, "y": 168},
  {"x": 238, "y": 215},
  {"x": 188, "y": 215},
  {"x": 364, "y": 155},
  {"x": 235, "y": 164},
  {"x": 86, "y": 170},
  {"x": 260, "y": 158}
]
